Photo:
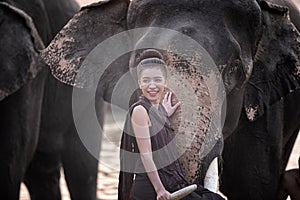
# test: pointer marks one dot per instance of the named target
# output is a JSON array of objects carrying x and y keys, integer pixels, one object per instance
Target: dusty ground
[
  {"x": 108, "y": 167},
  {"x": 85, "y": 2}
]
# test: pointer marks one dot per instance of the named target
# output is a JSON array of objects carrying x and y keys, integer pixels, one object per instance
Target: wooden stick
[{"x": 179, "y": 194}]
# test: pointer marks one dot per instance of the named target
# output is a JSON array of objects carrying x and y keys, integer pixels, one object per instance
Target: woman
[{"x": 148, "y": 151}]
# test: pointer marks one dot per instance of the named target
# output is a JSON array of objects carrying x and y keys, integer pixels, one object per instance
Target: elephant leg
[
  {"x": 42, "y": 177},
  {"x": 291, "y": 126},
  {"x": 248, "y": 174},
  {"x": 80, "y": 160},
  {"x": 10, "y": 178},
  {"x": 287, "y": 149},
  {"x": 252, "y": 158},
  {"x": 80, "y": 169},
  {"x": 19, "y": 127}
]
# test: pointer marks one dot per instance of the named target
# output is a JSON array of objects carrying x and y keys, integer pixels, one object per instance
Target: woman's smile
[{"x": 153, "y": 93}]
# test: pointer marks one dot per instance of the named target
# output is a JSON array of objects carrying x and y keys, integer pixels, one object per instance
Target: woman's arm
[{"x": 140, "y": 124}]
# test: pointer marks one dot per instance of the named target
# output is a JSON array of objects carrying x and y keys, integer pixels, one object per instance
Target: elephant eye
[
  {"x": 236, "y": 66},
  {"x": 188, "y": 31}
]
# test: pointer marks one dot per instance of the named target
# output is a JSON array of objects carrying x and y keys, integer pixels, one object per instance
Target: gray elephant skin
[
  {"x": 255, "y": 45},
  {"x": 38, "y": 135}
]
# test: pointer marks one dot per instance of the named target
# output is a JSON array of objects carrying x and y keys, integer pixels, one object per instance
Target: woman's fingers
[
  {"x": 176, "y": 105},
  {"x": 166, "y": 97},
  {"x": 164, "y": 196},
  {"x": 168, "y": 104},
  {"x": 169, "y": 97}
]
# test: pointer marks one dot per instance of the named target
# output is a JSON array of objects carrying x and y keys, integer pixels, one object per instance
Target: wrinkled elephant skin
[{"x": 255, "y": 46}]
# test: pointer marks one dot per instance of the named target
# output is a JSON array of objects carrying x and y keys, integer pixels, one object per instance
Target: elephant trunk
[{"x": 199, "y": 139}]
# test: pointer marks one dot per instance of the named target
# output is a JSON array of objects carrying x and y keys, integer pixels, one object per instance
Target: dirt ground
[
  {"x": 108, "y": 167},
  {"x": 85, "y": 2}
]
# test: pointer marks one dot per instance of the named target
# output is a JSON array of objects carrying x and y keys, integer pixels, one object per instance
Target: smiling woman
[{"x": 150, "y": 167}]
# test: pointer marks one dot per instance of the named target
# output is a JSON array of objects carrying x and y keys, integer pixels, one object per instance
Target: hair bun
[
  {"x": 151, "y": 58},
  {"x": 150, "y": 53}
]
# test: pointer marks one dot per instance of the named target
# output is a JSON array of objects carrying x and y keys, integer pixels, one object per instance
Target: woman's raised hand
[{"x": 168, "y": 105}]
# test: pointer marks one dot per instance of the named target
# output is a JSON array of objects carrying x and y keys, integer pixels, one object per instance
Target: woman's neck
[{"x": 155, "y": 105}]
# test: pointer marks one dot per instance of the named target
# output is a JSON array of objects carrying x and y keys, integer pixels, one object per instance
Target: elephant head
[
  {"x": 38, "y": 19},
  {"x": 12, "y": 77},
  {"x": 254, "y": 45}
]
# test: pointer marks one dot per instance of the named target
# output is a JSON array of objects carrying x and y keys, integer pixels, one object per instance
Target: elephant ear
[
  {"x": 89, "y": 27},
  {"x": 276, "y": 70},
  {"x": 19, "y": 49}
]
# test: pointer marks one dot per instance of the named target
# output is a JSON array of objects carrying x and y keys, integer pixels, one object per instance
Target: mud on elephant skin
[
  {"x": 254, "y": 44},
  {"x": 25, "y": 86}
]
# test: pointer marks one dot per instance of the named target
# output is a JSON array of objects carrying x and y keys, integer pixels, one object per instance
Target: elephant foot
[
  {"x": 9, "y": 186},
  {"x": 42, "y": 177},
  {"x": 81, "y": 177}
]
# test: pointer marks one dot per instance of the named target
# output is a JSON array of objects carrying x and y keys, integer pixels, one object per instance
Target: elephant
[
  {"x": 255, "y": 174},
  {"x": 27, "y": 94},
  {"x": 255, "y": 47}
]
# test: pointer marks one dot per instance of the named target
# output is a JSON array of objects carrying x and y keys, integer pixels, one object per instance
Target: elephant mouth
[{"x": 192, "y": 120}]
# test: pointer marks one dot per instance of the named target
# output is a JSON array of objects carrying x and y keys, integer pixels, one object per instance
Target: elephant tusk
[{"x": 179, "y": 194}]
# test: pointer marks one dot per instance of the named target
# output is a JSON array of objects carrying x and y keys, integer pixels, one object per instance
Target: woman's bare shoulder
[
  {"x": 140, "y": 115},
  {"x": 139, "y": 110}
]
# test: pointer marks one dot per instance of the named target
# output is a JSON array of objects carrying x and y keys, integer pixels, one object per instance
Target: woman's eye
[
  {"x": 146, "y": 81},
  {"x": 157, "y": 80}
]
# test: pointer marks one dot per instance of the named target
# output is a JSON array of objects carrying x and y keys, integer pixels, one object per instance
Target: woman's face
[{"x": 152, "y": 83}]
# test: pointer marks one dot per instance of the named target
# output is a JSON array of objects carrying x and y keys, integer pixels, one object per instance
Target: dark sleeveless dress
[{"x": 134, "y": 183}]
